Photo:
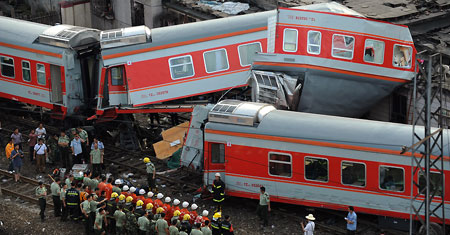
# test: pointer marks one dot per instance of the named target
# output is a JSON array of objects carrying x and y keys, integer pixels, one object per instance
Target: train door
[
  {"x": 56, "y": 92},
  {"x": 117, "y": 86},
  {"x": 216, "y": 161}
]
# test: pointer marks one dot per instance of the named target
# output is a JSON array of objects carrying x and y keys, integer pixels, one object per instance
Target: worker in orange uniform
[
  {"x": 184, "y": 211},
  {"x": 167, "y": 209},
  {"x": 8, "y": 149},
  {"x": 174, "y": 207},
  {"x": 125, "y": 192},
  {"x": 102, "y": 185},
  {"x": 141, "y": 195},
  {"x": 158, "y": 203},
  {"x": 193, "y": 214},
  {"x": 149, "y": 199},
  {"x": 133, "y": 194},
  {"x": 205, "y": 214},
  {"x": 108, "y": 188}
]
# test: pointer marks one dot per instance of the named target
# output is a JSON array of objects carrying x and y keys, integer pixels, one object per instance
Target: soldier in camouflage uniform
[
  {"x": 52, "y": 144},
  {"x": 131, "y": 225}
]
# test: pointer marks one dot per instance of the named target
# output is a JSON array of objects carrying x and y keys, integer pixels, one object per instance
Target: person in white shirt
[
  {"x": 40, "y": 154},
  {"x": 40, "y": 131},
  {"x": 309, "y": 229}
]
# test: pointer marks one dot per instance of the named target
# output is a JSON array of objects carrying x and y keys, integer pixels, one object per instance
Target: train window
[
  {"x": 342, "y": 46},
  {"x": 216, "y": 60},
  {"x": 402, "y": 56},
  {"x": 247, "y": 52},
  {"x": 435, "y": 183},
  {"x": 7, "y": 67},
  {"x": 290, "y": 39},
  {"x": 217, "y": 153},
  {"x": 316, "y": 169},
  {"x": 40, "y": 72},
  {"x": 117, "y": 76},
  {"x": 314, "y": 39},
  {"x": 392, "y": 178},
  {"x": 353, "y": 174},
  {"x": 374, "y": 51},
  {"x": 280, "y": 164},
  {"x": 26, "y": 71},
  {"x": 181, "y": 67}
]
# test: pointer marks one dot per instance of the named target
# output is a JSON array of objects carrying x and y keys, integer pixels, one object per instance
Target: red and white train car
[{"x": 306, "y": 159}]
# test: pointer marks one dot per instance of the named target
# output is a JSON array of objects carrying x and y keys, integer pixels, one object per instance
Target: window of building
[
  {"x": 216, "y": 60},
  {"x": 290, "y": 39},
  {"x": 353, "y": 174},
  {"x": 40, "y": 72},
  {"x": 392, "y": 178},
  {"x": 402, "y": 56},
  {"x": 247, "y": 52},
  {"x": 117, "y": 76},
  {"x": 374, "y": 51},
  {"x": 316, "y": 169},
  {"x": 217, "y": 153},
  {"x": 7, "y": 67},
  {"x": 280, "y": 164},
  {"x": 343, "y": 46},
  {"x": 26, "y": 71},
  {"x": 435, "y": 183},
  {"x": 314, "y": 39},
  {"x": 181, "y": 67}
]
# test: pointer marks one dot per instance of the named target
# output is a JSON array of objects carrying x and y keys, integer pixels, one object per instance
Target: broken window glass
[
  {"x": 402, "y": 56},
  {"x": 374, "y": 51},
  {"x": 343, "y": 46},
  {"x": 314, "y": 40}
]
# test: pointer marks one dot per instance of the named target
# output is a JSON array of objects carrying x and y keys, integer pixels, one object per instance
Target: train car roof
[
  {"x": 329, "y": 129},
  {"x": 24, "y": 33}
]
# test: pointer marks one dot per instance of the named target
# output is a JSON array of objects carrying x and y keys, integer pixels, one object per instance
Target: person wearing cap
[
  {"x": 167, "y": 209},
  {"x": 133, "y": 194},
  {"x": 176, "y": 217},
  {"x": 41, "y": 193},
  {"x": 351, "y": 220},
  {"x": 141, "y": 195},
  {"x": 139, "y": 211},
  {"x": 216, "y": 224},
  {"x": 120, "y": 217},
  {"x": 125, "y": 191},
  {"x": 111, "y": 207},
  {"x": 185, "y": 222},
  {"x": 309, "y": 228},
  {"x": 121, "y": 200},
  {"x": 149, "y": 199},
  {"x": 205, "y": 218},
  {"x": 205, "y": 228},
  {"x": 184, "y": 210},
  {"x": 151, "y": 174},
  {"x": 116, "y": 186},
  {"x": 263, "y": 206},
  {"x": 158, "y": 203},
  {"x": 218, "y": 190},
  {"x": 226, "y": 227},
  {"x": 149, "y": 208},
  {"x": 193, "y": 213},
  {"x": 162, "y": 228}
]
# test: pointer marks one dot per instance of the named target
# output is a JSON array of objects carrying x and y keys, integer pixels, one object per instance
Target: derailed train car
[{"x": 307, "y": 159}]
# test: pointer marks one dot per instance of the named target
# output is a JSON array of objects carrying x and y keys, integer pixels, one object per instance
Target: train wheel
[{"x": 435, "y": 229}]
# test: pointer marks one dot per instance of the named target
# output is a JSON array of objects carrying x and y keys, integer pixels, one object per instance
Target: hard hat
[
  {"x": 129, "y": 199},
  {"x": 167, "y": 200},
  {"x": 176, "y": 213},
  {"x": 121, "y": 197},
  {"x": 217, "y": 215},
  {"x": 185, "y": 204},
  {"x": 159, "y": 210},
  {"x": 139, "y": 203},
  {"x": 117, "y": 182},
  {"x": 150, "y": 194},
  {"x": 205, "y": 213},
  {"x": 114, "y": 195},
  {"x": 142, "y": 191},
  {"x": 146, "y": 160},
  {"x": 186, "y": 217},
  {"x": 217, "y": 174},
  {"x": 159, "y": 195},
  {"x": 176, "y": 202},
  {"x": 125, "y": 188},
  {"x": 149, "y": 206},
  {"x": 132, "y": 189},
  {"x": 194, "y": 207}
]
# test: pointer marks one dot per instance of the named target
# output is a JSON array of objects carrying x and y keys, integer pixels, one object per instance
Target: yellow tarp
[{"x": 172, "y": 141}]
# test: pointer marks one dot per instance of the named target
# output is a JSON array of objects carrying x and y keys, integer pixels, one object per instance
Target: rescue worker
[
  {"x": 87, "y": 180},
  {"x": 176, "y": 218},
  {"x": 116, "y": 186},
  {"x": 167, "y": 209},
  {"x": 216, "y": 224},
  {"x": 85, "y": 207},
  {"x": 83, "y": 192},
  {"x": 131, "y": 224},
  {"x": 53, "y": 149},
  {"x": 98, "y": 224},
  {"x": 159, "y": 211},
  {"x": 162, "y": 228},
  {"x": 62, "y": 197},
  {"x": 139, "y": 209},
  {"x": 227, "y": 228},
  {"x": 149, "y": 199},
  {"x": 56, "y": 192},
  {"x": 173, "y": 230},
  {"x": 69, "y": 181},
  {"x": 218, "y": 190},
  {"x": 205, "y": 229},
  {"x": 108, "y": 188},
  {"x": 73, "y": 202},
  {"x": 193, "y": 214},
  {"x": 41, "y": 193},
  {"x": 196, "y": 230},
  {"x": 205, "y": 218},
  {"x": 185, "y": 222},
  {"x": 101, "y": 185},
  {"x": 120, "y": 218},
  {"x": 141, "y": 195},
  {"x": 111, "y": 207},
  {"x": 151, "y": 174},
  {"x": 133, "y": 194},
  {"x": 149, "y": 209},
  {"x": 158, "y": 203},
  {"x": 144, "y": 224},
  {"x": 184, "y": 211},
  {"x": 121, "y": 201},
  {"x": 64, "y": 150},
  {"x": 263, "y": 206},
  {"x": 128, "y": 204},
  {"x": 175, "y": 204},
  {"x": 125, "y": 191}
]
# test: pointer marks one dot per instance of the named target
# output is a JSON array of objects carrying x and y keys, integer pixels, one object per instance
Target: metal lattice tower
[{"x": 427, "y": 164}]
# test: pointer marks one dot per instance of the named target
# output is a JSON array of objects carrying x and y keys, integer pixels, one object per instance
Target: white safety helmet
[
  {"x": 176, "y": 202},
  {"x": 150, "y": 194},
  {"x": 185, "y": 204},
  {"x": 142, "y": 192},
  {"x": 159, "y": 195},
  {"x": 132, "y": 189},
  {"x": 218, "y": 175},
  {"x": 118, "y": 182},
  {"x": 205, "y": 213},
  {"x": 125, "y": 188},
  {"x": 167, "y": 200},
  {"x": 194, "y": 207}
]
